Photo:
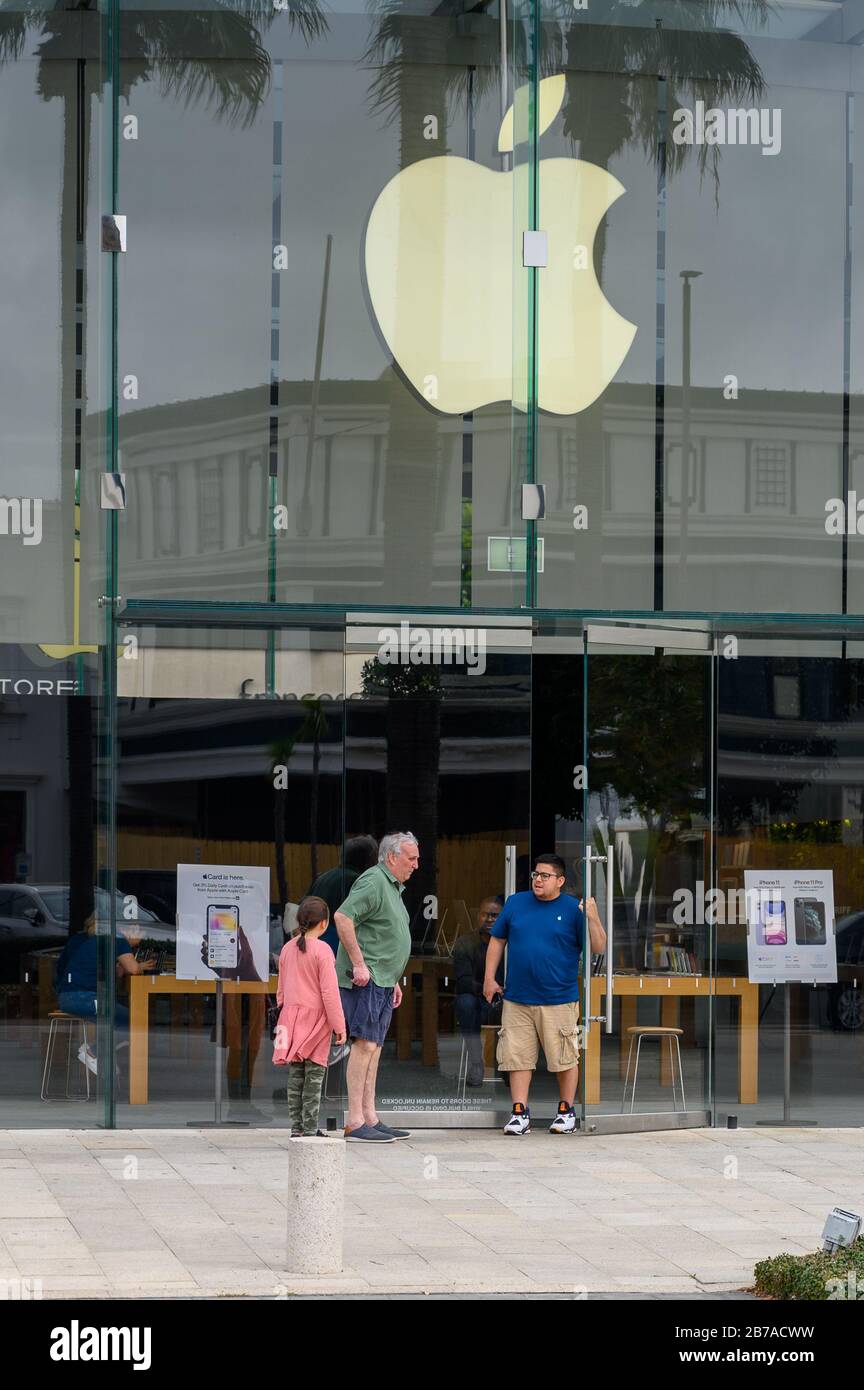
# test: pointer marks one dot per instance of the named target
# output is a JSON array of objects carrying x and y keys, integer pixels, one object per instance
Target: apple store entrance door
[
  {"x": 648, "y": 811},
  {"x": 438, "y": 742}
]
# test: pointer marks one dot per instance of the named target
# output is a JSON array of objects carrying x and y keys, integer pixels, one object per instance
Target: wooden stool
[
  {"x": 489, "y": 1033},
  {"x": 636, "y": 1036},
  {"x": 59, "y": 1020}
]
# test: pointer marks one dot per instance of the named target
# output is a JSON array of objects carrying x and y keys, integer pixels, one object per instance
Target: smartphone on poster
[
  {"x": 809, "y": 922},
  {"x": 774, "y": 923},
  {"x": 223, "y": 935}
]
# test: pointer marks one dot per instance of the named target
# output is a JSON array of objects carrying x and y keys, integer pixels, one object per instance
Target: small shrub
[{"x": 810, "y": 1276}]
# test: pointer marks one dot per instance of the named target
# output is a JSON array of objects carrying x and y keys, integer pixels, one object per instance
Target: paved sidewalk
[{"x": 192, "y": 1213}]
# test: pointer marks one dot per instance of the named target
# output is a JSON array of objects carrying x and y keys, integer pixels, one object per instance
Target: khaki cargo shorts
[{"x": 527, "y": 1027}]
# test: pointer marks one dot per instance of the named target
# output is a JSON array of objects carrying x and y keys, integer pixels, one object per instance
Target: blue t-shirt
[
  {"x": 80, "y": 961},
  {"x": 544, "y": 948}
]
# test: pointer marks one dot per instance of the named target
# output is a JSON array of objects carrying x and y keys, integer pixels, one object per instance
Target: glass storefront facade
[{"x": 518, "y": 340}]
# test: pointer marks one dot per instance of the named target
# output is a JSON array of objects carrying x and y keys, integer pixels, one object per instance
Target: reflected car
[
  {"x": 155, "y": 889},
  {"x": 35, "y": 917},
  {"x": 847, "y": 996}
]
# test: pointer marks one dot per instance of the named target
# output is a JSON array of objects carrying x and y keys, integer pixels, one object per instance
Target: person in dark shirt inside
[
  {"x": 469, "y": 960},
  {"x": 334, "y": 885},
  {"x": 76, "y": 979}
]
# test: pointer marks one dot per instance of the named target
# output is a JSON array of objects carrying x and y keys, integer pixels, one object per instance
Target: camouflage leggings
[{"x": 305, "y": 1080}]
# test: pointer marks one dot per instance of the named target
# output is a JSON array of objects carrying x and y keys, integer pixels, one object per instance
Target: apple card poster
[
  {"x": 790, "y": 926},
  {"x": 223, "y": 922}
]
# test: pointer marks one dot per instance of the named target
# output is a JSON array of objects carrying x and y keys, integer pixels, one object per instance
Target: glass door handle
[
  {"x": 609, "y": 860},
  {"x": 509, "y": 886},
  {"x": 610, "y": 923},
  {"x": 590, "y": 858},
  {"x": 509, "y": 870}
]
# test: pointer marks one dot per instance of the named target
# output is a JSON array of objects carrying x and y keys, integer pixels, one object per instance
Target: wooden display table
[
  {"x": 141, "y": 990},
  {"x": 671, "y": 989},
  {"x": 431, "y": 969}
]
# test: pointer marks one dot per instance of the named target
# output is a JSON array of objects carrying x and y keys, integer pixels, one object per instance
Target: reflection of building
[{"x": 762, "y": 469}]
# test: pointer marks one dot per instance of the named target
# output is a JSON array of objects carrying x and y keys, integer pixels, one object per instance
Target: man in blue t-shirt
[{"x": 543, "y": 930}]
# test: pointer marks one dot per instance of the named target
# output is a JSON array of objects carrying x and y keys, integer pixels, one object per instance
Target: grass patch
[{"x": 812, "y": 1277}]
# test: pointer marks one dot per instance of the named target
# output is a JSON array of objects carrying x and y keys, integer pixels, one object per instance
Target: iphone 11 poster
[
  {"x": 223, "y": 922},
  {"x": 790, "y": 926}
]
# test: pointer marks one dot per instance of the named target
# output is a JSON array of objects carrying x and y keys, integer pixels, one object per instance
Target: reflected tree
[
  {"x": 648, "y": 735},
  {"x": 413, "y": 733},
  {"x": 313, "y": 729},
  {"x": 281, "y": 753}
]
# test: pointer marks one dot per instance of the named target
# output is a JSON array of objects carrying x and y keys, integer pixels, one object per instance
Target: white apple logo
[{"x": 440, "y": 259}]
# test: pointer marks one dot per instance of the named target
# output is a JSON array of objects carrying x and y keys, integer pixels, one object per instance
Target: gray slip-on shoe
[{"x": 365, "y": 1134}]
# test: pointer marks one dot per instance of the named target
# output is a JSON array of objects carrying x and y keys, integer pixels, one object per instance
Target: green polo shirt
[{"x": 381, "y": 921}]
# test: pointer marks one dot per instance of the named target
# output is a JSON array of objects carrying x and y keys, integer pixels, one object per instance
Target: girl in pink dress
[{"x": 310, "y": 1013}]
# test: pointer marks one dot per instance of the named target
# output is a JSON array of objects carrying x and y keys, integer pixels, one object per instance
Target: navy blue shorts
[{"x": 368, "y": 1010}]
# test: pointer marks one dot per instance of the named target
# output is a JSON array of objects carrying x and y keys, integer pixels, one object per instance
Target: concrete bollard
[{"x": 316, "y": 1205}]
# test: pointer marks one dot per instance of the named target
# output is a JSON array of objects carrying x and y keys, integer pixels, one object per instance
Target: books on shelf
[{"x": 675, "y": 959}]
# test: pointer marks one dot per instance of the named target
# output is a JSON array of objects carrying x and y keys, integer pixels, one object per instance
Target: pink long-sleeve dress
[{"x": 310, "y": 1008}]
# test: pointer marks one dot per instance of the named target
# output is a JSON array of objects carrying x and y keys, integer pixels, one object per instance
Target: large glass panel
[
  {"x": 716, "y": 338},
  {"x": 49, "y": 80},
  {"x": 54, "y": 915},
  {"x": 438, "y": 742},
  {"x": 790, "y": 795},
  {"x": 557, "y": 785},
  {"x": 754, "y": 401},
  {"x": 648, "y": 805},
  {"x": 600, "y": 201},
  {"x": 229, "y": 758},
  {"x": 853, "y": 472},
  {"x": 315, "y": 338}
]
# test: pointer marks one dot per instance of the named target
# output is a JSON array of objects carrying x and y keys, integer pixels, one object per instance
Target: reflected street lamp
[{"x": 686, "y": 276}]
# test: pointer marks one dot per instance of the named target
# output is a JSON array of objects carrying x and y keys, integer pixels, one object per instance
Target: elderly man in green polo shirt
[{"x": 374, "y": 946}]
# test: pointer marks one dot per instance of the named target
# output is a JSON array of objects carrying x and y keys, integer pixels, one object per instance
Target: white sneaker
[
  {"x": 520, "y": 1120},
  {"x": 565, "y": 1120},
  {"x": 87, "y": 1058}
]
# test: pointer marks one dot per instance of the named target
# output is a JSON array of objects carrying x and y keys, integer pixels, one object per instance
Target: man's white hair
[{"x": 392, "y": 843}]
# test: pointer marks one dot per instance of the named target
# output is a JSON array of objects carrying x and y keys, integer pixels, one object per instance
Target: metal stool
[
  {"x": 462, "y": 1073},
  {"x": 59, "y": 1019},
  {"x": 673, "y": 1034},
  {"x": 342, "y": 1065}
]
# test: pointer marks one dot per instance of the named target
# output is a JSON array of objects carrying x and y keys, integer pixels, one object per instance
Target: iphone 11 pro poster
[{"x": 790, "y": 926}]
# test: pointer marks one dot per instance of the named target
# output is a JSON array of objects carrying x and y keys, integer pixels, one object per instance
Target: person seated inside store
[
  {"x": 472, "y": 1011},
  {"x": 76, "y": 979}
]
